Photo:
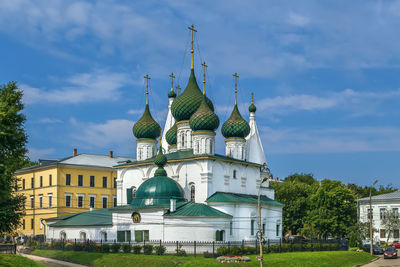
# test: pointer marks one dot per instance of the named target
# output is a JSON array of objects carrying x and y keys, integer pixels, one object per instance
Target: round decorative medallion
[{"x": 136, "y": 217}]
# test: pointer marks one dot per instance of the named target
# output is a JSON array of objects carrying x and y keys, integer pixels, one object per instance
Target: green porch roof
[
  {"x": 188, "y": 154},
  {"x": 99, "y": 217},
  {"x": 240, "y": 198},
  {"x": 192, "y": 209}
]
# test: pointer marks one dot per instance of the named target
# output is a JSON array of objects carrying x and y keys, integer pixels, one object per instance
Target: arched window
[
  {"x": 234, "y": 174},
  {"x": 197, "y": 147},
  {"x": 134, "y": 192},
  {"x": 192, "y": 193},
  {"x": 140, "y": 154},
  {"x": 63, "y": 235},
  {"x": 183, "y": 140},
  {"x": 82, "y": 236}
]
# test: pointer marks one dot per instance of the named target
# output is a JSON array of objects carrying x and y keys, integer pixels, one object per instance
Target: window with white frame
[
  {"x": 40, "y": 201},
  {"x": 396, "y": 212},
  {"x": 92, "y": 201},
  {"x": 382, "y": 212},
  {"x": 105, "y": 201},
  {"x": 50, "y": 196},
  {"x": 68, "y": 198},
  {"x": 32, "y": 202},
  {"x": 192, "y": 193},
  {"x": 115, "y": 201},
  {"x": 80, "y": 200}
]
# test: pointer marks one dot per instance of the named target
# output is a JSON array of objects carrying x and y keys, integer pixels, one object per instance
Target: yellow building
[{"x": 62, "y": 187}]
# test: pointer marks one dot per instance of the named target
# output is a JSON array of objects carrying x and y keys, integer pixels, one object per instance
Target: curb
[{"x": 371, "y": 261}]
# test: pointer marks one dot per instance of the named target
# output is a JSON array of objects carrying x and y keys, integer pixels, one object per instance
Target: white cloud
[
  {"x": 330, "y": 140},
  {"x": 297, "y": 19},
  {"x": 97, "y": 86},
  {"x": 113, "y": 134},
  {"x": 135, "y": 111},
  {"x": 49, "y": 120},
  {"x": 35, "y": 153}
]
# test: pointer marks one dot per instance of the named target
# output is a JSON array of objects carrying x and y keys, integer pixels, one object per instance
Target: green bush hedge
[
  {"x": 115, "y": 247},
  {"x": 137, "y": 249},
  {"x": 159, "y": 250},
  {"x": 126, "y": 248},
  {"x": 147, "y": 249}
]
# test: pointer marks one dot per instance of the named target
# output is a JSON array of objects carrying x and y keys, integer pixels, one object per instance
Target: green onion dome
[
  {"x": 158, "y": 191},
  {"x": 185, "y": 105},
  {"x": 171, "y": 135},
  {"x": 252, "y": 108},
  {"x": 235, "y": 126},
  {"x": 146, "y": 126},
  {"x": 171, "y": 94},
  {"x": 204, "y": 118}
]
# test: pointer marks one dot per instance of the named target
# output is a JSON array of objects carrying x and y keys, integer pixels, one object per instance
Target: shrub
[
  {"x": 137, "y": 249},
  {"x": 159, "y": 250},
  {"x": 222, "y": 251},
  {"x": 235, "y": 250},
  {"x": 249, "y": 250},
  {"x": 126, "y": 248},
  {"x": 148, "y": 249},
  {"x": 78, "y": 247},
  {"x": 69, "y": 246},
  {"x": 115, "y": 247},
  {"x": 90, "y": 246},
  {"x": 180, "y": 251},
  {"x": 207, "y": 254},
  {"x": 105, "y": 248}
]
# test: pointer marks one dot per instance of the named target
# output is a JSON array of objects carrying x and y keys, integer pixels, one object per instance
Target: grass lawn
[
  {"x": 17, "y": 260},
  {"x": 324, "y": 258}
]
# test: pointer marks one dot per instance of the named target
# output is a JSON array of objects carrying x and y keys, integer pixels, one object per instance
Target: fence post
[
  {"x": 177, "y": 249},
  {"x": 291, "y": 245},
  {"x": 268, "y": 245},
  {"x": 159, "y": 251},
  {"x": 87, "y": 244},
  {"x": 101, "y": 245},
  {"x": 256, "y": 243},
  {"x": 194, "y": 248},
  {"x": 144, "y": 244},
  {"x": 229, "y": 247},
  {"x": 280, "y": 245},
  {"x": 320, "y": 246},
  {"x": 213, "y": 248},
  {"x": 242, "y": 247}
]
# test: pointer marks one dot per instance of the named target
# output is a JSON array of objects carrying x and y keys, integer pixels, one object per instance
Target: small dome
[
  {"x": 252, "y": 108},
  {"x": 158, "y": 191},
  {"x": 235, "y": 126},
  {"x": 204, "y": 118},
  {"x": 185, "y": 105},
  {"x": 171, "y": 135},
  {"x": 172, "y": 94},
  {"x": 146, "y": 126}
]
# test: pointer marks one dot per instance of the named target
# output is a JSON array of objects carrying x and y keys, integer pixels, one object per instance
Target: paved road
[
  {"x": 384, "y": 263},
  {"x": 51, "y": 262}
]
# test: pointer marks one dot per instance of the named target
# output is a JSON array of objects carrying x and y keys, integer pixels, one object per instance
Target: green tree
[
  {"x": 12, "y": 155},
  {"x": 332, "y": 210},
  {"x": 294, "y": 193},
  {"x": 390, "y": 222}
]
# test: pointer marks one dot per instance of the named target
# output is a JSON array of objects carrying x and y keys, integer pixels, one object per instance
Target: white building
[
  {"x": 186, "y": 191},
  {"x": 381, "y": 204}
]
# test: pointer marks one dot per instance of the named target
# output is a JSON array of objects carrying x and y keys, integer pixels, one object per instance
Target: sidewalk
[
  {"x": 51, "y": 262},
  {"x": 381, "y": 262}
]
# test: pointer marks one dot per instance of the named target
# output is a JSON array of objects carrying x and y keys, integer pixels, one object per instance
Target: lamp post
[
  {"x": 259, "y": 219},
  {"x": 371, "y": 251}
]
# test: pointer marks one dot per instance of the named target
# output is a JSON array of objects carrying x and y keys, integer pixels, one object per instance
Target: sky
[{"x": 325, "y": 76}]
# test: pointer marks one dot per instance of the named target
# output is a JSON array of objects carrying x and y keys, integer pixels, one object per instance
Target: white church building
[{"x": 182, "y": 190}]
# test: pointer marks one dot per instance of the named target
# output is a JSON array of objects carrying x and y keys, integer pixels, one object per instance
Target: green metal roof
[
  {"x": 171, "y": 135},
  {"x": 188, "y": 154},
  {"x": 235, "y": 126},
  {"x": 146, "y": 126},
  {"x": 204, "y": 118},
  {"x": 192, "y": 209},
  {"x": 187, "y": 103},
  {"x": 89, "y": 218},
  {"x": 240, "y": 198}
]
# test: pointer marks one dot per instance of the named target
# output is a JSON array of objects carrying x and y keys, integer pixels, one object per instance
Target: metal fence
[
  {"x": 8, "y": 248},
  {"x": 208, "y": 249}
]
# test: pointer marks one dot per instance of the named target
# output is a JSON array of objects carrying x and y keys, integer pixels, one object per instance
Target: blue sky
[{"x": 325, "y": 75}]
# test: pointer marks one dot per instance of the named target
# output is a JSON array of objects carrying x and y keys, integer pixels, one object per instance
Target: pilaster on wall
[
  {"x": 226, "y": 179},
  {"x": 184, "y": 135},
  {"x": 243, "y": 180},
  {"x": 206, "y": 177}
]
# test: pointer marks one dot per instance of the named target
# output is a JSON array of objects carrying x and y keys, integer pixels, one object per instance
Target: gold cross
[
  {"x": 252, "y": 94},
  {"x": 236, "y": 76},
  {"x": 172, "y": 81},
  {"x": 191, "y": 50},
  {"x": 147, "y": 88},
  {"x": 204, "y": 77},
  {"x": 178, "y": 88}
]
